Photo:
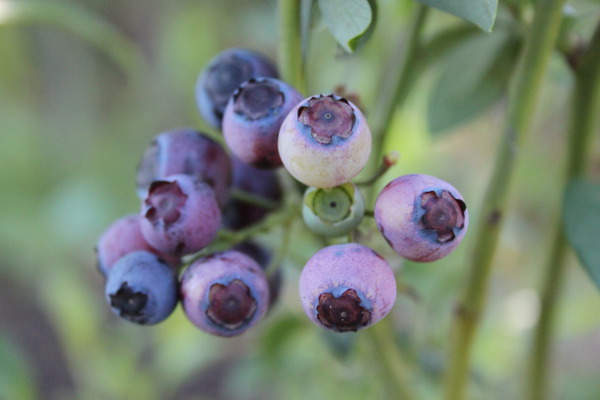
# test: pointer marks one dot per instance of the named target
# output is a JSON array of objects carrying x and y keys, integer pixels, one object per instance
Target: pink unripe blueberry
[
  {"x": 324, "y": 141},
  {"x": 423, "y": 218},
  {"x": 122, "y": 237},
  {"x": 180, "y": 215},
  {"x": 347, "y": 287}
]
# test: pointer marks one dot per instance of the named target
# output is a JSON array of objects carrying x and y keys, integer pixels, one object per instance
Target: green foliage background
[{"x": 85, "y": 85}]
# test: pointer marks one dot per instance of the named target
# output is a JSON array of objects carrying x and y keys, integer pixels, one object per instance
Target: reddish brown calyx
[
  {"x": 443, "y": 214},
  {"x": 257, "y": 99},
  {"x": 344, "y": 313},
  {"x": 327, "y": 117},
  {"x": 230, "y": 306},
  {"x": 165, "y": 200}
]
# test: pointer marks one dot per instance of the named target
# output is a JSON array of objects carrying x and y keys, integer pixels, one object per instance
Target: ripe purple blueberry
[
  {"x": 263, "y": 257},
  {"x": 124, "y": 236},
  {"x": 324, "y": 141},
  {"x": 239, "y": 214},
  {"x": 186, "y": 151},
  {"x": 223, "y": 74},
  {"x": 141, "y": 288},
  {"x": 224, "y": 294},
  {"x": 423, "y": 218},
  {"x": 180, "y": 215},
  {"x": 253, "y": 117},
  {"x": 347, "y": 287}
]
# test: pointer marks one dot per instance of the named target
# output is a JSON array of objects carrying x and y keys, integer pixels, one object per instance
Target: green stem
[
  {"x": 389, "y": 358},
  {"x": 394, "y": 88},
  {"x": 585, "y": 102},
  {"x": 290, "y": 44},
  {"x": 539, "y": 44}
]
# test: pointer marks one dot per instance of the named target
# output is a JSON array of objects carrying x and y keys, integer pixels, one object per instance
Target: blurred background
[{"x": 86, "y": 84}]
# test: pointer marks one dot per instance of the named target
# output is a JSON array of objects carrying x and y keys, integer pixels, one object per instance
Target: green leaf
[
  {"x": 347, "y": 20},
  {"x": 581, "y": 217},
  {"x": 480, "y": 12},
  {"x": 474, "y": 76}
]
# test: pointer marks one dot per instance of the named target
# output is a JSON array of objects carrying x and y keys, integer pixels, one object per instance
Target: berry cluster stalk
[
  {"x": 585, "y": 102},
  {"x": 395, "y": 87},
  {"x": 290, "y": 44},
  {"x": 539, "y": 44}
]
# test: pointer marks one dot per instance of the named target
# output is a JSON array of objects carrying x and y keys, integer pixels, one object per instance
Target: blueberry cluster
[{"x": 186, "y": 183}]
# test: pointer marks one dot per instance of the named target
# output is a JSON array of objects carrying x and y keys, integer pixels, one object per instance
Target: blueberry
[
  {"x": 347, "y": 287},
  {"x": 324, "y": 141},
  {"x": 423, "y": 218},
  {"x": 225, "y": 293},
  {"x": 142, "y": 288},
  {"x": 253, "y": 117},
  {"x": 263, "y": 257},
  {"x": 239, "y": 214},
  {"x": 223, "y": 74},
  {"x": 180, "y": 215},
  {"x": 333, "y": 211},
  {"x": 124, "y": 236},
  {"x": 185, "y": 151}
]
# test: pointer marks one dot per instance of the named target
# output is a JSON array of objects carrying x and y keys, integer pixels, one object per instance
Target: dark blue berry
[
  {"x": 223, "y": 74},
  {"x": 142, "y": 288}
]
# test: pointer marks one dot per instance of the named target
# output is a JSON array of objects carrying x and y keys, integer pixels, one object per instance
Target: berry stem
[
  {"x": 539, "y": 44},
  {"x": 585, "y": 102},
  {"x": 391, "y": 360},
  {"x": 254, "y": 199},
  {"x": 388, "y": 160},
  {"x": 395, "y": 86},
  {"x": 290, "y": 44},
  {"x": 227, "y": 239}
]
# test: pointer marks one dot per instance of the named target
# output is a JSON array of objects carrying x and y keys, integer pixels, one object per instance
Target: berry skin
[
  {"x": 253, "y": 117},
  {"x": 223, "y": 74},
  {"x": 225, "y": 293},
  {"x": 324, "y": 141},
  {"x": 124, "y": 236},
  {"x": 334, "y": 211},
  {"x": 347, "y": 287},
  {"x": 423, "y": 218},
  {"x": 180, "y": 215},
  {"x": 185, "y": 151},
  {"x": 238, "y": 214},
  {"x": 141, "y": 288},
  {"x": 263, "y": 257}
]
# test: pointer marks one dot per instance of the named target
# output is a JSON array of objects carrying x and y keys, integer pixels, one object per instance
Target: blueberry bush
[{"x": 300, "y": 199}]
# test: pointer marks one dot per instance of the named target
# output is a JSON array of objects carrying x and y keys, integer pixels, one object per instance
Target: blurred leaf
[
  {"x": 341, "y": 345},
  {"x": 474, "y": 76},
  {"x": 480, "y": 12},
  {"x": 16, "y": 381},
  {"x": 581, "y": 215},
  {"x": 348, "y": 20},
  {"x": 280, "y": 333},
  {"x": 78, "y": 21}
]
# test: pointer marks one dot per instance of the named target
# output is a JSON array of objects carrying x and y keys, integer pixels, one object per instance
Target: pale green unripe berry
[{"x": 333, "y": 211}]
